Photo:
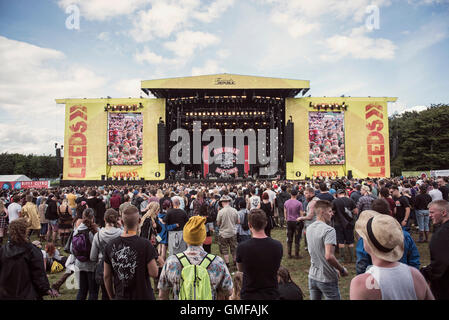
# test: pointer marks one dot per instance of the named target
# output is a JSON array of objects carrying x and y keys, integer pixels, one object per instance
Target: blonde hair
[
  {"x": 237, "y": 281},
  {"x": 153, "y": 210}
]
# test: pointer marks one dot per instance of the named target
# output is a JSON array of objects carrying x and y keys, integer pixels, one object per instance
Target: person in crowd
[
  {"x": 280, "y": 200},
  {"x": 65, "y": 221},
  {"x": 52, "y": 255},
  {"x": 268, "y": 208},
  {"x": 387, "y": 279},
  {"x": 22, "y": 273},
  {"x": 207, "y": 244},
  {"x": 259, "y": 259},
  {"x": 345, "y": 211},
  {"x": 402, "y": 208},
  {"x": 115, "y": 201},
  {"x": 51, "y": 214},
  {"x": 364, "y": 202},
  {"x": 30, "y": 214},
  {"x": 43, "y": 221},
  {"x": 324, "y": 267},
  {"x": 310, "y": 216},
  {"x": 170, "y": 278},
  {"x": 422, "y": 201},
  {"x": 101, "y": 240},
  {"x": 100, "y": 210},
  {"x": 237, "y": 280},
  {"x": 71, "y": 198},
  {"x": 253, "y": 200},
  {"x": 288, "y": 289},
  {"x": 385, "y": 194},
  {"x": 149, "y": 228},
  {"x": 243, "y": 231},
  {"x": 443, "y": 188},
  {"x": 437, "y": 272},
  {"x": 227, "y": 219},
  {"x": 356, "y": 193},
  {"x": 177, "y": 216},
  {"x": 324, "y": 193},
  {"x": 126, "y": 203},
  {"x": 83, "y": 236},
  {"x": 14, "y": 208},
  {"x": 129, "y": 262},
  {"x": 434, "y": 192},
  {"x": 293, "y": 210},
  {"x": 411, "y": 255},
  {"x": 3, "y": 221},
  {"x": 163, "y": 234}
]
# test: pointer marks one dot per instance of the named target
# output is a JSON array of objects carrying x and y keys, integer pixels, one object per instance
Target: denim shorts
[
  {"x": 319, "y": 289},
  {"x": 53, "y": 225}
]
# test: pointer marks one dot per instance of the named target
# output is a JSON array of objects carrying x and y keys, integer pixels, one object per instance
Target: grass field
[{"x": 298, "y": 268}]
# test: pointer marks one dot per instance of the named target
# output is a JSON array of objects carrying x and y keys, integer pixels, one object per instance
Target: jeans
[
  {"x": 44, "y": 229},
  {"x": 87, "y": 284},
  {"x": 294, "y": 230},
  {"x": 328, "y": 289},
  {"x": 422, "y": 216}
]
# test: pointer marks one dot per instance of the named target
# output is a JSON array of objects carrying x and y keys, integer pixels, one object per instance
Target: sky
[{"x": 96, "y": 48}]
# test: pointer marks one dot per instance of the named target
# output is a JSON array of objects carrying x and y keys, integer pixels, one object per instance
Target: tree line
[{"x": 418, "y": 141}]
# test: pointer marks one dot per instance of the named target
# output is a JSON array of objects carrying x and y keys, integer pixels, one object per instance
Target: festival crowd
[{"x": 136, "y": 243}]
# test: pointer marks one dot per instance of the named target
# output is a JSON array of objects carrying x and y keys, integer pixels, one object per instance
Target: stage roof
[{"x": 225, "y": 84}]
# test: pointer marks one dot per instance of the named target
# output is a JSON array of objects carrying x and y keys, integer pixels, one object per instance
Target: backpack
[
  {"x": 245, "y": 226},
  {"x": 81, "y": 245},
  {"x": 195, "y": 280}
]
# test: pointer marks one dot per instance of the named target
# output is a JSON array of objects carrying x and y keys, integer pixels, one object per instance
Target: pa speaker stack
[
  {"x": 289, "y": 141},
  {"x": 161, "y": 149}
]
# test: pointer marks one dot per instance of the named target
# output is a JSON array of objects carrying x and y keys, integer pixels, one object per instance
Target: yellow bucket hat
[{"x": 194, "y": 232}]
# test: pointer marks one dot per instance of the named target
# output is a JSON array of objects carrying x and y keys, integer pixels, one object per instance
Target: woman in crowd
[
  {"x": 288, "y": 289},
  {"x": 163, "y": 234},
  {"x": 82, "y": 235},
  {"x": 101, "y": 239},
  {"x": 17, "y": 258},
  {"x": 267, "y": 207},
  {"x": 44, "y": 222},
  {"x": 65, "y": 221},
  {"x": 3, "y": 221},
  {"x": 51, "y": 255}
]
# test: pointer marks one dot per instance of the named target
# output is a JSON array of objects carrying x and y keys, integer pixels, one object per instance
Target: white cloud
[
  {"x": 401, "y": 107},
  {"x": 104, "y": 36},
  {"x": 103, "y": 9},
  {"x": 188, "y": 41},
  {"x": 166, "y": 17},
  {"x": 31, "y": 121},
  {"x": 210, "y": 67},
  {"x": 359, "y": 46},
  {"x": 148, "y": 56},
  {"x": 128, "y": 88}
]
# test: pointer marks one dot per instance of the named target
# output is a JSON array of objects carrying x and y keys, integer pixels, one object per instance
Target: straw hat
[
  {"x": 225, "y": 198},
  {"x": 383, "y": 233}
]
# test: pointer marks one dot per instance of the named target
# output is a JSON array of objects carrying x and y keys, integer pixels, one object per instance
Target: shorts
[
  {"x": 53, "y": 225},
  {"x": 226, "y": 243},
  {"x": 344, "y": 235}
]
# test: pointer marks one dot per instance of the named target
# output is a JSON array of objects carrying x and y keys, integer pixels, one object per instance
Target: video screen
[
  {"x": 125, "y": 132},
  {"x": 326, "y": 138}
]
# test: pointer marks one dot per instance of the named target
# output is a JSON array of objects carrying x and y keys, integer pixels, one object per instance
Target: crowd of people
[
  {"x": 117, "y": 240},
  {"x": 326, "y": 138},
  {"x": 125, "y": 145}
]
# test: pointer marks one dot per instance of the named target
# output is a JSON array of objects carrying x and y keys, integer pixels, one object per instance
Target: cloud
[
  {"x": 359, "y": 46},
  {"x": 188, "y": 41},
  {"x": 209, "y": 67},
  {"x": 401, "y": 107},
  {"x": 148, "y": 56},
  {"x": 103, "y": 9},
  {"x": 166, "y": 17},
  {"x": 28, "y": 88},
  {"x": 104, "y": 36}
]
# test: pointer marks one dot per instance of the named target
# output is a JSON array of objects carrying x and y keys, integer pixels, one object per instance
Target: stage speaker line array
[
  {"x": 161, "y": 149},
  {"x": 289, "y": 141}
]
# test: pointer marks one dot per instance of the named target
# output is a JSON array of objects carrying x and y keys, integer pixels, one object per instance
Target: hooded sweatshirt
[
  {"x": 88, "y": 266},
  {"x": 105, "y": 235},
  {"x": 22, "y": 273}
]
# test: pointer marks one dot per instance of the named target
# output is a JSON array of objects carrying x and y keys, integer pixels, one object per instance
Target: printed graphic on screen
[
  {"x": 326, "y": 138},
  {"x": 125, "y": 131}
]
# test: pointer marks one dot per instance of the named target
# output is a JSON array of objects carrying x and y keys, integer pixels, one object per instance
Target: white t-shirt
[
  {"x": 254, "y": 202},
  {"x": 271, "y": 195},
  {"x": 436, "y": 194},
  {"x": 13, "y": 211}
]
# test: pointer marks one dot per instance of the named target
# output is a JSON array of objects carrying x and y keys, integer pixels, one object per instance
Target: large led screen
[
  {"x": 125, "y": 131},
  {"x": 326, "y": 138}
]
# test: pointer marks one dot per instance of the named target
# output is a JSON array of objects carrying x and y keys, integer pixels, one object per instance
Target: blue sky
[{"x": 120, "y": 43}]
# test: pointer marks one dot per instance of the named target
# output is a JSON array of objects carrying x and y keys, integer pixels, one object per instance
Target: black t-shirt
[
  {"x": 129, "y": 257},
  {"x": 290, "y": 291},
  {"x": 401, "y": 204},
  {"x": 261, "y": 259},
  {"x": 445, "y": 191},
  {"x": 325, "y": 196},
  {"x": 92, "y": 203},
  {"x": 178, "y": 216},
  {"x": 341, "y": 217},
  {"x": 422, "y": 200}
]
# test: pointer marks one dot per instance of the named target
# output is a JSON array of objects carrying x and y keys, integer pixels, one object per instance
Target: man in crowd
[
  {"x": 402, "y": 208},
  {"x": 259, "y": 259},
  {"x": 51, "y": 214},
  {"x": 443, "y": 188},
  {"x": 310, "y": 216},
  {"x": 411, "y": 255},
  {"x": 355, "y": 194},
  {"x": 14, "y": 209},
  {"x": 324, "y": 267},
  {"x": 29, "y": 212},
  {"x": 227, "y": 219},
  {"x": 170, "y": 278},
  {"x": 292, "y": 212},
  {"x": 125, "y": 204},
  {"x": 345, "y": 211},
  {"x": 324, "y": 193},
  {"x": 178, "y": 216},
  {"x": 129, "y": 262},
  {"x": 387, "y": 279},
  {"x": 434, "y": 192},
  {"x": 365, "y": 200},
  {"x": 437, "y": 272},
  {"x": 280, "y": 201}
]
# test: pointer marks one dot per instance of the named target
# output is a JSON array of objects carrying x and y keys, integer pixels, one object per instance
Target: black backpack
[{"x": 245, "y": 226}]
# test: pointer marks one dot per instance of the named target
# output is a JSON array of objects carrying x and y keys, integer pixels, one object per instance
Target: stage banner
[
  {"x": 224, "y": 162},
  {"x": 366, "y": 146},
  {"x": 86, "y": 139},
  {"x": 17, "y": 185}
]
